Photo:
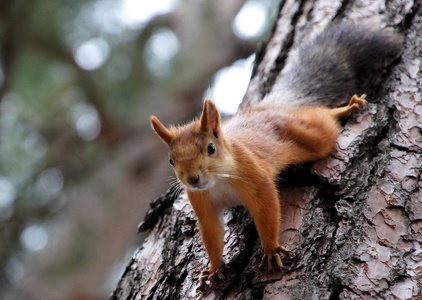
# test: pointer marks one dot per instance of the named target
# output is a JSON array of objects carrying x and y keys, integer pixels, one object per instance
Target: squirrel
[{"x": 236, "y": 162}]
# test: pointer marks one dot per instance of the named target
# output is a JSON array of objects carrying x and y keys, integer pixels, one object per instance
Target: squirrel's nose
[{"x": 193, "y": 180}]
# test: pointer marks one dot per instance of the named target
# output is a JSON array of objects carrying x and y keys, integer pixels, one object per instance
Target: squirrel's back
[{"x": 337, "y": 63}]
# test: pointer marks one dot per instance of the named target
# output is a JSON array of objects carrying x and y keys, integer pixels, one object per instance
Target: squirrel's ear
[
  {"x": 210, "y": 118},
  {"x": 161, "y": 130}
]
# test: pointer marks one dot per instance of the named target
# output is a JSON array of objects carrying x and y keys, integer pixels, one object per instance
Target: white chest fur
[{"x": 224, "y": 196}]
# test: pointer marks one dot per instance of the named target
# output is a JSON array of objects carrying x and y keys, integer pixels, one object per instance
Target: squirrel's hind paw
[{"x": 357, "y": 102}]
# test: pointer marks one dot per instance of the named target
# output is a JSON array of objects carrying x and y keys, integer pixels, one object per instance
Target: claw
[
  {"x": 357, "y": 103},
  {"x": 270, "y": 265},
  {"x": 283, "y": 250},
  {"x": 273, "y": 260},
  {"x": 278, "y": 260},
  {"x": 202, "y": 286},
  {"x": 211, "y": 277}
]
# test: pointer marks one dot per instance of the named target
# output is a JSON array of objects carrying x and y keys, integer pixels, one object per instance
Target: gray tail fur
[{"x": 340, "y": 62}]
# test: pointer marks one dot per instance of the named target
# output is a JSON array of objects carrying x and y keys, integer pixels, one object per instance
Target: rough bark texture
[{"x": 355, "y": 230}]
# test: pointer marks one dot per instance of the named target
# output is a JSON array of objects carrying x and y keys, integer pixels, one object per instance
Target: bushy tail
[{"x": 336, "y": 64}]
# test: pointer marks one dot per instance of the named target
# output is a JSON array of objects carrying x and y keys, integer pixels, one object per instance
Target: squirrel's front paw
[
  {"x": 211, "y": 276},
  {"x": 272, "y": 260}
]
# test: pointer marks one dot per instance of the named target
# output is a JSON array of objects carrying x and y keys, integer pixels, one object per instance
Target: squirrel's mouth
[{"x": 200, "y": 187}]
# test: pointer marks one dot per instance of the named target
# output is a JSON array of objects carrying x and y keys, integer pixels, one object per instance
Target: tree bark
[{"x": 354, "y": 225}]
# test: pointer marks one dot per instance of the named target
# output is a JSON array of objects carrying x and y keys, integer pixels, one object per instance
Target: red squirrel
[{"x": 236, "y": 162}]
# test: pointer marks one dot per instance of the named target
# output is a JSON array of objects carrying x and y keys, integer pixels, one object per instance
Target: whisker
[
  {"x": 172, "y": 178},
  {"x": 177, "y": 187},
  {"x": 230, "y": 176},
  {"x": 174, "y": 181}
]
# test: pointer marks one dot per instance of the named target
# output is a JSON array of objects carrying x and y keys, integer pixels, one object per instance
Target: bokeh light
[
  {"x": 92, "y": 54},
  {"x": 136, "y": 13},
  {"x": 249, "y": 22},
  {"x": 230, "y": 84},
  {"x": 34, "y": 237},
  {"x": 86, "y": 121},
  {"x": 160, "y": 49},
  {"x": 7, "y": 193},
  {"x": 50, "y": 183}
]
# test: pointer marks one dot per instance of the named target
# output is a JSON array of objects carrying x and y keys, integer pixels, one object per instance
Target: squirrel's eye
[
  {"x": 171, "y": 162},
  {"x": 211, "y": 149}
]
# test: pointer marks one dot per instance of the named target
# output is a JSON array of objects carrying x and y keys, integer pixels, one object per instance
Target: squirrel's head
[{"x": 197, "y": 150}]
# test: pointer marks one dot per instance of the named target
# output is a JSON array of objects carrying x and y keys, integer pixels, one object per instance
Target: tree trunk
[{"x": 354, "y": 225}]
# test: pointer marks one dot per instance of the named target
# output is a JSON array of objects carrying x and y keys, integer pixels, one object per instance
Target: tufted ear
[
  {"x": 210, "y": 118},
  {"x": 161, "y": 130}
]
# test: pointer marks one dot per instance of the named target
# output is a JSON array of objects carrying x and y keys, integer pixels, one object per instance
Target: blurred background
[{"x": 79, "y": 163}]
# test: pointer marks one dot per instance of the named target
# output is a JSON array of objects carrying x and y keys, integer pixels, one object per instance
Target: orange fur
[
  {"x": 212, "y": 231},
  {"x": 250, "y": 150}
]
